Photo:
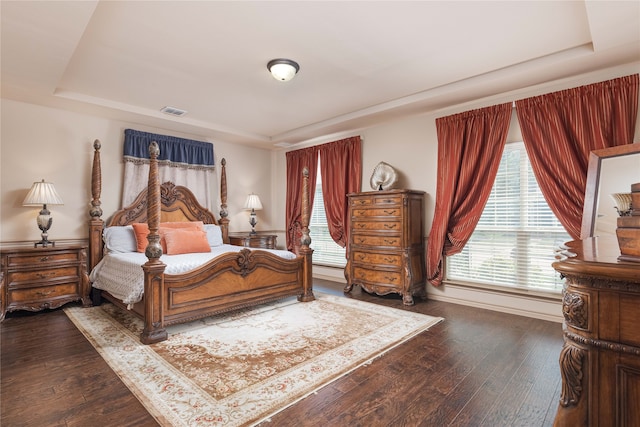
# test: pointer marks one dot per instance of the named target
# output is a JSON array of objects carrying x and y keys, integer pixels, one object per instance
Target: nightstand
[
  {"x": 264, "y": 241},
  {"x": 35, "y": 279}
]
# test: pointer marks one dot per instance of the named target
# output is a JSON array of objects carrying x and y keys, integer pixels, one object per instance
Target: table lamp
[
  {"x": 43, "y": 193},
  {"x": 253, "y": 203}
]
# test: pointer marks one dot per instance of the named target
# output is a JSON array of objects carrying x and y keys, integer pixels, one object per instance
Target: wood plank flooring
[{"x": 477, "y": 368}]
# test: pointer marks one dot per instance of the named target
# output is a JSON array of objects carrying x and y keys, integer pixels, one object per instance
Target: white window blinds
[
  {"x": 515, "y": 241},
  {"x": 326, "y": 251}
]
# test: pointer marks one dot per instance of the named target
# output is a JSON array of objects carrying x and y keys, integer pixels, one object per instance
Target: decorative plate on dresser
[{"x": 386, "y": 243}]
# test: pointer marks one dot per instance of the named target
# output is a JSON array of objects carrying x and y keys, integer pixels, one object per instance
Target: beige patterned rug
[{"x": 239, "y": 369}]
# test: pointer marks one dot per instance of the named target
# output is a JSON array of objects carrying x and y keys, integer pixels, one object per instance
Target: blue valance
[{"x": 181, "y": 151}]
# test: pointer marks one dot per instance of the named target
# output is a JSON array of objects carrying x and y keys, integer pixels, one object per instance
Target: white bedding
[{"x": 121, "y": 274}]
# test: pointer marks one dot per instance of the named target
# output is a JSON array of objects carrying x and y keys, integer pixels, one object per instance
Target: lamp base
[
  {"x": 253, "y": 221},
  {"x": 44, "y": 243}
]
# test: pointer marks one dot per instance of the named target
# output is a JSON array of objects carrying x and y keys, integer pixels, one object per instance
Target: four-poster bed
[{"x": 230, "y": 281}]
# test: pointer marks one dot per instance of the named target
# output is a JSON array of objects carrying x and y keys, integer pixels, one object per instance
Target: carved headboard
[{"x": 178, "y": 203}]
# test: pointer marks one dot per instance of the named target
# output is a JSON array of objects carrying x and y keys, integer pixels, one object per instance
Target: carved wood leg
[
  {"x": 154, "y": 330},
  {"x": 572, "y": 409},
  {"x": 3, "y": 297},
  {"x": 307, "y": 284},
  {"x": 407, "y": 298},
  {"x": 349, "y": 286}
]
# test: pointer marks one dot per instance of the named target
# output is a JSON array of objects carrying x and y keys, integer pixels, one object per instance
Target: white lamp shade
[
  {"x": 42, "y": 193},
  {"x": 623, "y": 202},
  {"x": 253, "y": 202}
]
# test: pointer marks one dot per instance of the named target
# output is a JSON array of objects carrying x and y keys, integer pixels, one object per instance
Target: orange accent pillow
[
  {"x": 141, "y": 231},
  {"x": 186, "y": 241}
]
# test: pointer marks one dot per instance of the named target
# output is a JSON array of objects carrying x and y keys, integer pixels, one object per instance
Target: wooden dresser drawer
[
  {"x": 377, "y": 258},
  {"x": 372, "y": 200},
  {"x": 40, "y": 275},
  {"x": 379, "y": 241},
  {"x": 43, "y": 293},
  {"x": 377, "y": 225},
  {"x": 21, "y": 259},
  {"x": 390, "y": 212},
  {"x": 377, "y": 276}
]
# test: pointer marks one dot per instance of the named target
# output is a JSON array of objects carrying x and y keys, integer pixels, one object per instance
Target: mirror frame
[{"x": 591, "y": 195}]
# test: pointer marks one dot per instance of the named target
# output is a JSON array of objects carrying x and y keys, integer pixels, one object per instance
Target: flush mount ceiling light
[{"x": 283, "y": 69}]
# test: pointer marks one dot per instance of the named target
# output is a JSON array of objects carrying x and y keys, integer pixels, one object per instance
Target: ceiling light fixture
[{"x": 283, "y": 69}]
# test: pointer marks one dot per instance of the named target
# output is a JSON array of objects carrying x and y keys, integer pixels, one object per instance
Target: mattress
[{"x": 122, "y": 276}]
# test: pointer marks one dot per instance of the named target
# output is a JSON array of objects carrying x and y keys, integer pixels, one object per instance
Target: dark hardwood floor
[{"x": 476, "y": 368}]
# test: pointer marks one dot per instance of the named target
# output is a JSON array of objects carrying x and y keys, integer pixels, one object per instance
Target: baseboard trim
[
  {"x": 521, "y": 305},
  {"x": 534, "y": 306}
]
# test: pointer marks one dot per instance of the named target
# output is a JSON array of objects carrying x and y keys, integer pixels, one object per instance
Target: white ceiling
[{"x": 361, "y": 61}]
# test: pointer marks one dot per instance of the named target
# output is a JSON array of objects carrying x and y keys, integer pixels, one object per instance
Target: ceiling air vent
[{"x": 173, "y": 111}]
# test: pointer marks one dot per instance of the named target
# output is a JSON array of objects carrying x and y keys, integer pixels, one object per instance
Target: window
[
  {"x": 326, "y": 251},
  {"x": 516, "y": 238}
]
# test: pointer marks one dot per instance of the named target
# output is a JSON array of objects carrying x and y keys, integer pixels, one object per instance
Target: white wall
[{"x": 45, "y": 143}]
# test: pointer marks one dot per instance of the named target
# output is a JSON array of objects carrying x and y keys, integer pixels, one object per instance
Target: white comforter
[{"x": 121, "y": 274}]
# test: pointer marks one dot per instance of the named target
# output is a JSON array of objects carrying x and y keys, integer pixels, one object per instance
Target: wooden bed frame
[{"x": 229, "y": 282}]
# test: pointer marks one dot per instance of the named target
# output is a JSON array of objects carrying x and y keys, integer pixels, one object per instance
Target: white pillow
[
  {"x": 119, "y": 239},
  {"x": 214, "y": 234}
]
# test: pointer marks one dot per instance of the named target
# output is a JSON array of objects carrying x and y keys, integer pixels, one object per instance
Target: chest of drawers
[
  {"x": 386, "y": 243},
  {"x": 39, "y": 278}
]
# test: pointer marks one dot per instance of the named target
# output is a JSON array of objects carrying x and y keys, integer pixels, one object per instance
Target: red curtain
[
  {"x": 470, "y": 147},
  {"x": 560, "y": 129},
  {"x": 341, "y": 173},
  {"x": 296, "y": 161}
]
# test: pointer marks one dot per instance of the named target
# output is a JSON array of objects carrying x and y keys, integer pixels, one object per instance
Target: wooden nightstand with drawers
[
  {"x": 35, "y": 279},
  {"x": 264, "y": 241}
]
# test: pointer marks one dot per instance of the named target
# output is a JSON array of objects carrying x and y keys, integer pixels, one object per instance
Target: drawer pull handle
[
  {"x": 388, "y": 200},
  {"x": 390, "y": 278},
  {"x": 387, "y": 259},
  {"x": 361, "y": 213},
  {"x": 362, "y": 225},
  {"x": 44, "y": 293},
  {"x": 44, "y": 259},
  {"x": 362, "y": 202},
  {"x": 360, "y": 240},
  {"x": 390, "y": 226},
  {"x": 390, "y": 212},
  {"x": 361, "y": 256},
  {"x": 390, "y": 241},
  {"x": 44, "y": 275}
]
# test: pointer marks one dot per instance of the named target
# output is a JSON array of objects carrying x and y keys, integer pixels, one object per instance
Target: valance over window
[{"x": 182, "y": 161}]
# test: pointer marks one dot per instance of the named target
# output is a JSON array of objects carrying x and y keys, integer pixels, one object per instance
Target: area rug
[{"x": 239, "y": 369}]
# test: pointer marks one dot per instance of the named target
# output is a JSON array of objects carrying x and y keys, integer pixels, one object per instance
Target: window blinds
[{"x": 515, "y": 241}]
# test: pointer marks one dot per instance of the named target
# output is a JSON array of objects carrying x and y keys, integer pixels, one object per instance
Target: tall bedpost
[
  {"x": 154, "y": 330},
  {"x": 96, "y": 224},
  {"x": 305, "y": 251},
  {"x": 224, "y": 220}
]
